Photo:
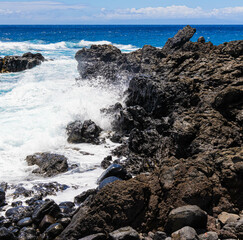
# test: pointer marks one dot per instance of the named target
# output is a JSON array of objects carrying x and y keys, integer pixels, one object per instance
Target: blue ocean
[{"x": 37, "y": 104}]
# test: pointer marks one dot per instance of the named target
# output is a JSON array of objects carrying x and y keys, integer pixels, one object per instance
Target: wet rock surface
[
  {"x": 180, "y": 131},
  {"x": 49, "y": 164},
  {"x": 20, "y": 63},
  {"x": 183, "y": 124},
  {"x": 83, "y": 132}
]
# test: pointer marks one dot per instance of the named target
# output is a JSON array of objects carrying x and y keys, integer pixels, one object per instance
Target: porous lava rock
[{"x": 20, "y": 63}]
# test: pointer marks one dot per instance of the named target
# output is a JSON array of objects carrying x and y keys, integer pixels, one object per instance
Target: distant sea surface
[{"x": 37, "y": 104}]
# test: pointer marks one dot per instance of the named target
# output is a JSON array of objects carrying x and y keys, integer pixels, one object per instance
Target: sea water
[{"x": 37, "y": 104}]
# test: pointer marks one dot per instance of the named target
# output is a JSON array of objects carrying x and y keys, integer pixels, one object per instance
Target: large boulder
[
  {"x": 83, "y": 132},
  {"x": 190, "y": 215},
  {"x": 49, "y": 164},
  {"x": 20, "y": 63}
]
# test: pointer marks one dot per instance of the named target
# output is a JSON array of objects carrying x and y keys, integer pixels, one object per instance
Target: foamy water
[{"x": 35, "y": 107}]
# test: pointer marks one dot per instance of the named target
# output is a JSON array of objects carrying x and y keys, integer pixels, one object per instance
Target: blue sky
[{"x": 121, "y": 12}]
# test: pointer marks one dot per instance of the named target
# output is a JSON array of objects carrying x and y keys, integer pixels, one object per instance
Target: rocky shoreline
[{"x": 180, "y": 131}]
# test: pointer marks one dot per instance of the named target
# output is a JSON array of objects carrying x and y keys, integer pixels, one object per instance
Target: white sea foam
[
  {"x": 33, "y": 118},
  {"x": 22, "y": 47}
]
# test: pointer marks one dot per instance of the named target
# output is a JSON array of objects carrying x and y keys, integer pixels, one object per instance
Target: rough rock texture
[
  {"x": 49, "y": 164},
  {"x": 86, "y": 132},
  {"x": 20, "y": 63},
  {"x": 183, "y": 121}
]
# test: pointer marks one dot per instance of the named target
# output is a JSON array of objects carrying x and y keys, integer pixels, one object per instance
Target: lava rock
[
  {"x": 2, "y": 197},
  {"x": 86, "y": 132},
  {"x": 124, "y": 233},
  {"x": 189, "y": 215},
  {"x": 179, "y": 39},
  {"x": 27, "y": 233},
  {"x": 159, "y": 235},
  {"x": 115, "y": 170},
  {"x": 46, "y": 208},
  {"x": 20, "y": 63},
  {"x": 53, "y": 231},
  {"x": 225, "y": 217},
  {"x": 46, "y": 222},
  {"x": 185, "y": 233},
  {"x": 21, "y": 191},
  {"x": 106, "y": 162},
  {"x": 5, "y": 234},
  {"x": 107, "y": 181},
  {"x": 84, "y": 195},
  {"x": 18, "y": 213},
  {"x": 49, "y": 164},
  {"x": 25, "y": 222}
]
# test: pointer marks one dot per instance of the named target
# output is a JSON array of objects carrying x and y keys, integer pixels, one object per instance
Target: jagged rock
[
  {"x": 127, "y": 198},
  {"x": 86, "y": 132},
  {"x": 185, "y": 233},
  {"x": 159, "y": 235},
  {"x": 106, "y": 162},
  {"x": 201, "y": 39},
  {"x": 20, "y": 63},
  {"x": 46, "y": 208},
  {"x": 190, "y": 215},
  {"x": 49, "y": 164},
  {"x": 179, "y": 39},
  {"x": 5, "y": 234},
  {"x": 124, "y": 233},
  {"x": 84, "y": 195}
]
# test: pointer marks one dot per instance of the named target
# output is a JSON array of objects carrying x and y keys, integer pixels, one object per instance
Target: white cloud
[
  {"x": 38, "y": 6},
  {"x": 170, "y": 12}
]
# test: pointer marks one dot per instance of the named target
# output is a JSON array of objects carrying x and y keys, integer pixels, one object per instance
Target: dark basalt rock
[
  {"x": 183, "y": 36},
  {"x": 25, "y": 222},
  {"x": 189, "y": 215},
  {"x": 5, "y": 234},
  {"x": 114, "y": 170},
  {"x": 52, "y": 231},
  {"x": 84, "y": 195},
  {"x": 18, "y": 213},
  {"x": 107, "y": 181},
  {"x": 46, "y": 222},
  {"x": 46, "y": 208},
  {"x": 49, "y": 164},
  {"x": 86, "y": 132},
  {"x": 20, "y": 63},
  {"x": 21, "y": 191},
  {"x": 27, "y": 233},
  {"x": 2, "y": 197},
  {"x": 106, "y": 162}
]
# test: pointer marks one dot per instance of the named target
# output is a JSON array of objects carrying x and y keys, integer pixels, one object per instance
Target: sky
[{"x": 121, "y": 12}]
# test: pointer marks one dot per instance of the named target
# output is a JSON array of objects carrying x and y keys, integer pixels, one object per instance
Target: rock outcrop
[
  {"x": 20, "y": 63},
  {"x": 183, "y": 122},
  {"x": 49, "y": 164}
]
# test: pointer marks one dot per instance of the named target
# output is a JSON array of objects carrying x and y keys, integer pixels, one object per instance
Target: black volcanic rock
[
  {"x": 83, "y": 132},
  {"x": 49, "y": 164},
  {"x": 20, "y": 63}
]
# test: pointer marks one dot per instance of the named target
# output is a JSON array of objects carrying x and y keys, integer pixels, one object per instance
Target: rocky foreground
[{"x": 181, "y": 134}]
